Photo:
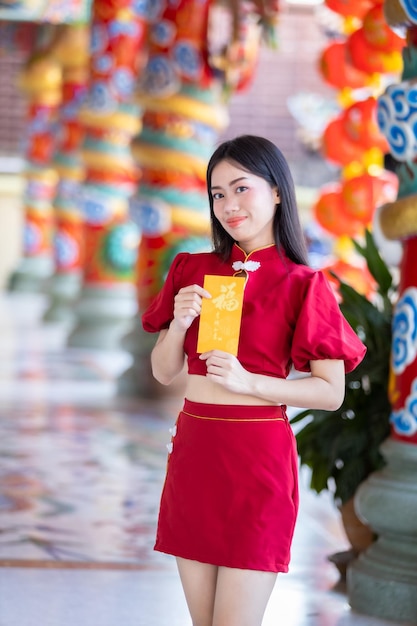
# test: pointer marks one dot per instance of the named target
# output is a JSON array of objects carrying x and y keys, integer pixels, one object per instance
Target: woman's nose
[{"x": 230, "y": 205}]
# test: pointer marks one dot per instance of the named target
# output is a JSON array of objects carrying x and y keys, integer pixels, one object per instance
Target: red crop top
[{"x": 290, "y": 314}]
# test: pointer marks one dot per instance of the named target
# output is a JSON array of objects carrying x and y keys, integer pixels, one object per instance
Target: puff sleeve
[
  {"x": 161, "y": 312},
  {"x": 321, "y": 331}
]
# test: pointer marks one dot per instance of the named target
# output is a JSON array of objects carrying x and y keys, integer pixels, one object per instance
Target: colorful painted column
[
  {"x": 171, "y": 204},
  {"x": 41, "y": 82},
  {"x": 108, "y": 300},
  {"x": 383, "y": 580},
  {"x": 70, "y": 49},
  {"x": 184, "y": 104}
]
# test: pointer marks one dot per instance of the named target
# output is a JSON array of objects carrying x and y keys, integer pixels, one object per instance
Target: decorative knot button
[{"x": 249, "y": 266}]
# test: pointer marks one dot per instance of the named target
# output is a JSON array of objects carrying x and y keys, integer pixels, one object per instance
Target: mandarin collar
[{"x": 266, "y": 253}]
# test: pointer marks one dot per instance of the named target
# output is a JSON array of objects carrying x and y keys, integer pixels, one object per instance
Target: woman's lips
[{"x": 235, "y": 221}]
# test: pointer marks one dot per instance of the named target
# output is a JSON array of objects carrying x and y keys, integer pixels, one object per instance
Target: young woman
[{"x": 230, "y": 498}]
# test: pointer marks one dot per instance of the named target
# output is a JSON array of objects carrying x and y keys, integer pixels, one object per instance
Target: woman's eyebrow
[{"x": 232, "y": 182}]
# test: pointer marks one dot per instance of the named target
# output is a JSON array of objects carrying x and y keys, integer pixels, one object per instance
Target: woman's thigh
[
  {"x": 242, "y": 596},
  {"x": 199, "y": 584}
]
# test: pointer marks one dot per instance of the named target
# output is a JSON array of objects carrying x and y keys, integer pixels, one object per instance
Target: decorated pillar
[
  {"x": 41, "y": 81},
  {"x": 383, "y": 580},
  {"x": 171, "y": 204},
  {"x": 70, "y": 50},
  {"x": 108, "y": 300},
  {"x": 183, "y": 94}
]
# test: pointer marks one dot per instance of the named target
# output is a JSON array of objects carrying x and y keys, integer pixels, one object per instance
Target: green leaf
[{"x": 375, "y": 263}]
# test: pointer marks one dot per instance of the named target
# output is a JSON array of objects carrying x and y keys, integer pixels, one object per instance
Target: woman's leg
[
  {"x": 241, "y": 596},
  {"x": 199, "y": 584}
]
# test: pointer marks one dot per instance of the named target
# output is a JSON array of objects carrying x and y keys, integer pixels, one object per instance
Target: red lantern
[
  {"x": 371, "y": 59},
  {"x": 337, "y": 147},
  {"x": 328, "y": 212},
  {"x": 377, "y": 32},
  {"x": 337, "y": 70},
  {"x": 357, "y": 196},
  {"x": 363, "y": 194},
  {"x": 360, "y": 125}
]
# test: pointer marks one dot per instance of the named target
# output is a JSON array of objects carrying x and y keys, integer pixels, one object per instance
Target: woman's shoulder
[
  {"x": 192, "y": 256},
  {"x": 191, "y": 266},
  {"x": 304, "y": 278},
  {"x": 299, "y": 271},
  {"x": 196, "y": 259}
]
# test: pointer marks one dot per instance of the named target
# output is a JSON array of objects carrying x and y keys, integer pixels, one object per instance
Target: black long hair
[{"x": 262, "y": 158}]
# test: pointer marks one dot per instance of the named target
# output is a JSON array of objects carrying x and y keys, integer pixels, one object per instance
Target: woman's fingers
[
  {"x": 192, "y": 297},
  {"x": 217, "y": 359},
  {"x": 194, "y": 289},
  {"x": 187, "y": 303}
]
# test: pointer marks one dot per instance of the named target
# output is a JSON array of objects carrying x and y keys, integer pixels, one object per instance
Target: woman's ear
[{"x": 277, "y": 196}]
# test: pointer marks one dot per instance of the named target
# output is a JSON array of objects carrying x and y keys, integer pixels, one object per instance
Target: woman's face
[{"x": 244, "y": 204}]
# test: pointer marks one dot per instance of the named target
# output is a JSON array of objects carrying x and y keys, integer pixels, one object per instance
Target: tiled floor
[{"x": 80, "y": 475}]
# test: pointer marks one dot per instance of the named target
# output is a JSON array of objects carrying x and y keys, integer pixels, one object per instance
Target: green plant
[{"x": 341, "y": 447}]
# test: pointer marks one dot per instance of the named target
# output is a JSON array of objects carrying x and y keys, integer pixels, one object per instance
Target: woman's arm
[
  {"x": 324, "y": 389},
  {"x": 167, "y": 357}
]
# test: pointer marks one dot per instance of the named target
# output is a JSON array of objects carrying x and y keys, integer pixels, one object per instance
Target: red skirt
[{"x": 230, "y": 496}]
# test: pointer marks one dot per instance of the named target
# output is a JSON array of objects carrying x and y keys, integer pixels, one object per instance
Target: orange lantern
[
  {"x": 336, "y": 69},
  {"x": 363, "y": 194},
  {"x": 328, "y": 212},
  {"x": 377, "y": 32},
  {"x": 357, "y": 196},
  {"x": 370, "y": 59},
  {"x": 360, "y": 125},
  {"x": 337, "y": 147}
]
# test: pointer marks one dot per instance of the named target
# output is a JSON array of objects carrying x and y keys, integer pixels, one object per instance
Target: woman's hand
[
  {"x": 187, "y": 306},
  {"x": 323, "y": 389},
  {"x": 225, "y": 369},
  {"x": 167, "y": 356}
]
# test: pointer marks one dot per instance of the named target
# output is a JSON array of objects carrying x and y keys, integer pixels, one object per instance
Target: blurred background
[{"x": 109, "y": 112}]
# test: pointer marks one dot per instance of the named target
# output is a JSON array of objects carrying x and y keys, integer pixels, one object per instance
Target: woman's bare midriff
[{"x": 201, "y": 389}]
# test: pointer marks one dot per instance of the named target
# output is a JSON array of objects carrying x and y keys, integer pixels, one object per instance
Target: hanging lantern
[
  {"x": 372, "y": 60},
  {"x": 362, "y": 194},
  {"x": 354, "y": 132},
  {"x": 377, "y": 32},
  {"x": 336, "y": 69},
  {"x": 357, "y": 194},
  {"x": 337, "y": 147},
  {"x": 375, "y": 48},
  {"x": 329, "y": 213},
  {"x": 360, "y": 125}
]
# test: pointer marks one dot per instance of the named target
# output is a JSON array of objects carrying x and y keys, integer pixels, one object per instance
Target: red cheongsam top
[{"x": 290, "y": 315}]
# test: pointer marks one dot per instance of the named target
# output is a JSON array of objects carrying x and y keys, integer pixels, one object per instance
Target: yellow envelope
[{"x": 221, "y": 314}]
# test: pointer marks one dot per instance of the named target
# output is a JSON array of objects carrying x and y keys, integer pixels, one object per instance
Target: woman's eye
[
  {"x": 240, "y": 189},
  {"x": 217, "y": 195}
]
